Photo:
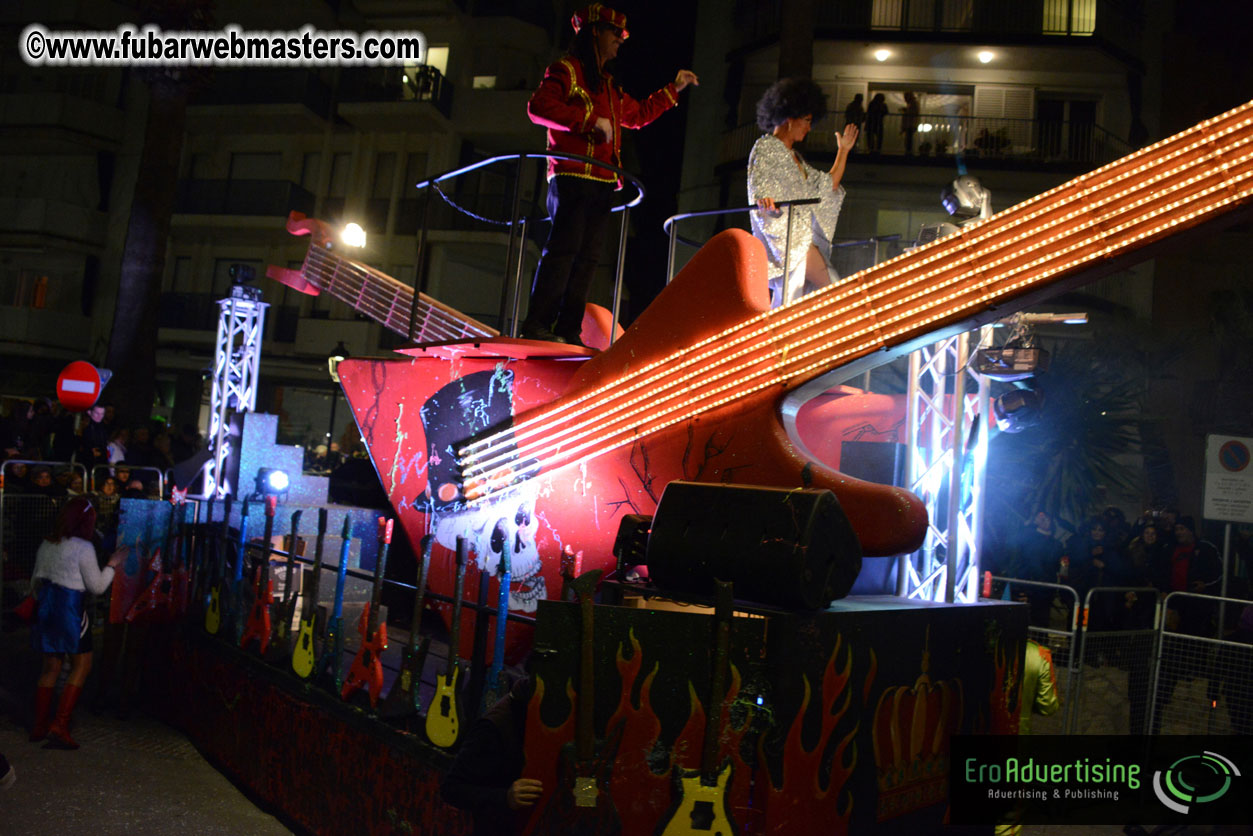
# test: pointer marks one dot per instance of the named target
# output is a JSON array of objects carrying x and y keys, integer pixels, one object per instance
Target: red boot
[
  {"x": 43, "y": 714},
  {"x": 59, "y": 731}
]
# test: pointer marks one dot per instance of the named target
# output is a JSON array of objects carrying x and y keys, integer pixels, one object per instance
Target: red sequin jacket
[{"x": 569, "y": 110}]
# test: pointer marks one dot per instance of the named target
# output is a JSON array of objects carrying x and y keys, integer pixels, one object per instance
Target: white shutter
[{"x": 1005, "y": 111}]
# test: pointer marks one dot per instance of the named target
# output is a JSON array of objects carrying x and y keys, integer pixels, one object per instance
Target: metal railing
[
  {"x": 133, "y": 469},
  {"x": 20, "y": 532},
  {"x": 671, "y": 227},
  {"x": 1195, "y": 674},
  {"x": 1054, "y": 624},
  {"x": 517, "y": 224},
  {"x": 943, "y": 136},
  {"x": 1115, "y": 659}
]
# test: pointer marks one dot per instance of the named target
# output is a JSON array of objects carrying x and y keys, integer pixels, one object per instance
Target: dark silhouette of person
[{"x": 875, "y": 113}]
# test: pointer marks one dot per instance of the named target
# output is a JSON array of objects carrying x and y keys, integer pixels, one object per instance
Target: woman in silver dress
[{"x": 778, "y": 172}]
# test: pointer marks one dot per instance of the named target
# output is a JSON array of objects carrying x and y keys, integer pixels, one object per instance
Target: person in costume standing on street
[
  {"x": 584, "y": 111},
  {"x": 66, "y": 571}
]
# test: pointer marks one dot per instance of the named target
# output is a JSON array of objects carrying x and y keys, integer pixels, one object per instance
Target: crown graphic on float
[{"x": 912, "y": 726}]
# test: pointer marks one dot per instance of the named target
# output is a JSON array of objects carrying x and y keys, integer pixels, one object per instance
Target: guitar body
[
  {"x": 443, "y": 717},
  {"x": 581, "y": 804},
  {"x": 305, "y": 654},
  {"x": 366, "y": 670},
  {"x": 410, "y": 431},
  {"x": 213, "y": 612},
  {"x": 702, "y": 807},
  {"x": 257, "y": 625}
]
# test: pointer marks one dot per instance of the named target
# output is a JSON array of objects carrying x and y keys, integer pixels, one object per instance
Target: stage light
[
  {"x": 242, "y": 273},
  {"x": 353, "y": 235},
  {"x": 882, "y": 54},
  {"x": 985, "y": 56},
  {"x": 1018, "y": 409},
  {"x": 1010, "y": 363},
  {"x": 271, "y": 482},
  {"x": 965, "y": 197}
]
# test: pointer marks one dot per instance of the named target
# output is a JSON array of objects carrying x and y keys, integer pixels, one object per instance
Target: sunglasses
[{"x": 618, "y": 31}]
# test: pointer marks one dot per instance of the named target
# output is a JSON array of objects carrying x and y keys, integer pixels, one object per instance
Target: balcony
[
  {"x": 384, "y": 98},
  {"x": 265, "y": 101},
  {"x": 41, "y": 314},
  {"x": 1007, "y": 143},
  {"x": 266, "y": 198},
  {"x": 53, "y": 220},
  {"x": 1113, "y": 23}
]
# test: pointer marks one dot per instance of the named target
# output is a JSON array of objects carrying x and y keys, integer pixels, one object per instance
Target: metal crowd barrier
[
  {"x": 24, "y": 519},
  {"x": 1111, "y": 687},
  {"x": 1056, "y": 627},
  {"x": 111, "y": 470},
  {"x": 1201, "y": 684}
]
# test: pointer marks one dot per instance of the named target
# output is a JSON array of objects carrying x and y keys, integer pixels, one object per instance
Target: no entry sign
[{"x": 78, "y": 386}]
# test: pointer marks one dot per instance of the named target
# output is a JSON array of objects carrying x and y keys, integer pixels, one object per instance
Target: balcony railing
[
  {"x": 268, "y": 86},
  {"x": 397, "y": 84},
  {"x": 1030, "y": 141},
  {"x": 242, "y": 197},
  {"x": 1117, "y": 22}
]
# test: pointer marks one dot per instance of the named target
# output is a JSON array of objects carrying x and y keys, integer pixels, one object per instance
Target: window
[
  {"x": 341, "y": 171},
  {"x": 1069, "y": 17},
  {"x": 437, "y": 57},
  {"x": 384, "y": 173},
  {"x": 484, "y": 82},
  {"x": 310, "y": 170}
]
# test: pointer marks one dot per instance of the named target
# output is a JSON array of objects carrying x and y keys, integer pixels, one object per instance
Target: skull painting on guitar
[
  {"x": 469, "y": 405},
  {"x": 509, "y": 523}
]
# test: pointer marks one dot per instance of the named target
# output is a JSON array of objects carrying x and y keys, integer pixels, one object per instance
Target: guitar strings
[
  {"x": 617, "y": 436},
  {"x": 661, "y": 419},
  {"x": 368, "y": 298},
  {"x": 528, "y": 452},
  {"x": 516, "y": 430},
  {"x": 655, "y": 393},
  {"x": 347, "y": 280},
  {"x": 719, "y": 339}
]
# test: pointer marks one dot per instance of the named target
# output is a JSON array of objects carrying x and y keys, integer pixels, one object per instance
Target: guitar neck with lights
[
  {"x": 372, "y": 292},
  {"x": 1102, "y": 220}
]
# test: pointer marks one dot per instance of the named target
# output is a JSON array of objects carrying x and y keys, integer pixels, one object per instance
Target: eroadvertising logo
[
  {"x": 1098, "y": 779},
  {"x": 1193, "y": 780}
]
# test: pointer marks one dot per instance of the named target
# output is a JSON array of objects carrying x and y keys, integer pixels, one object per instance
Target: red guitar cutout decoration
[
  {"x": 258, "y": 624},
  {"x": 367, "y": 666}
]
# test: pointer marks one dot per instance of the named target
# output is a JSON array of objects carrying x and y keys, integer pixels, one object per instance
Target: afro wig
[{"x": 790, "y": 98}]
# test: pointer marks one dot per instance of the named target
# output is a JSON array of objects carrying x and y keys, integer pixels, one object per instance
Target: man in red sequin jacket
[{"x": 585, "y": 112}]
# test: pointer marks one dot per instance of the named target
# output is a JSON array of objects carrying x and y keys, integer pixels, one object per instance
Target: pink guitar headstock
[{"x": 299, "y": 224}]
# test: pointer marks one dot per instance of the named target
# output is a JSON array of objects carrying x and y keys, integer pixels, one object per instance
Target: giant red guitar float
[{"x": 533, "y": 447}]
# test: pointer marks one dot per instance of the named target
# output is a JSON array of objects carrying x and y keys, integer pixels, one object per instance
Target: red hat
[{"x": 599, "y": 13}]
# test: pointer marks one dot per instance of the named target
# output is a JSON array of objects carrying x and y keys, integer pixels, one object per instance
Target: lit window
[
  {"x": 484, "y": 82},
  {"x": 437, "y": 57}
]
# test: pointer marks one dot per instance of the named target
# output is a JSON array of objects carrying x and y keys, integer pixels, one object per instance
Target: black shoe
[{"x": 541, "y": 334}]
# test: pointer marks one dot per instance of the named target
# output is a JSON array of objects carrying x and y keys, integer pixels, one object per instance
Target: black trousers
[{"x": 580, "y": 213}]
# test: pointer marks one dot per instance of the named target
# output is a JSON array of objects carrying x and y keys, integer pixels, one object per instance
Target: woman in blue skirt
[{"x": 66, "y": 570}]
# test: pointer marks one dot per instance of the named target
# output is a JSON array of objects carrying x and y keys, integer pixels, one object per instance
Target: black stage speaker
[{"x": 787, "y": 548}]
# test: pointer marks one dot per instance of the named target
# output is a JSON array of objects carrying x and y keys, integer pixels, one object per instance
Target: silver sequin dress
[{"x": 772, "y": 173}]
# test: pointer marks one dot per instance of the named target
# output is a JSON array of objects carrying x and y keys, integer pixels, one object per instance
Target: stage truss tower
[
  {"x": 236, "y": 357},
  {"x": 947, "y": 417}
]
